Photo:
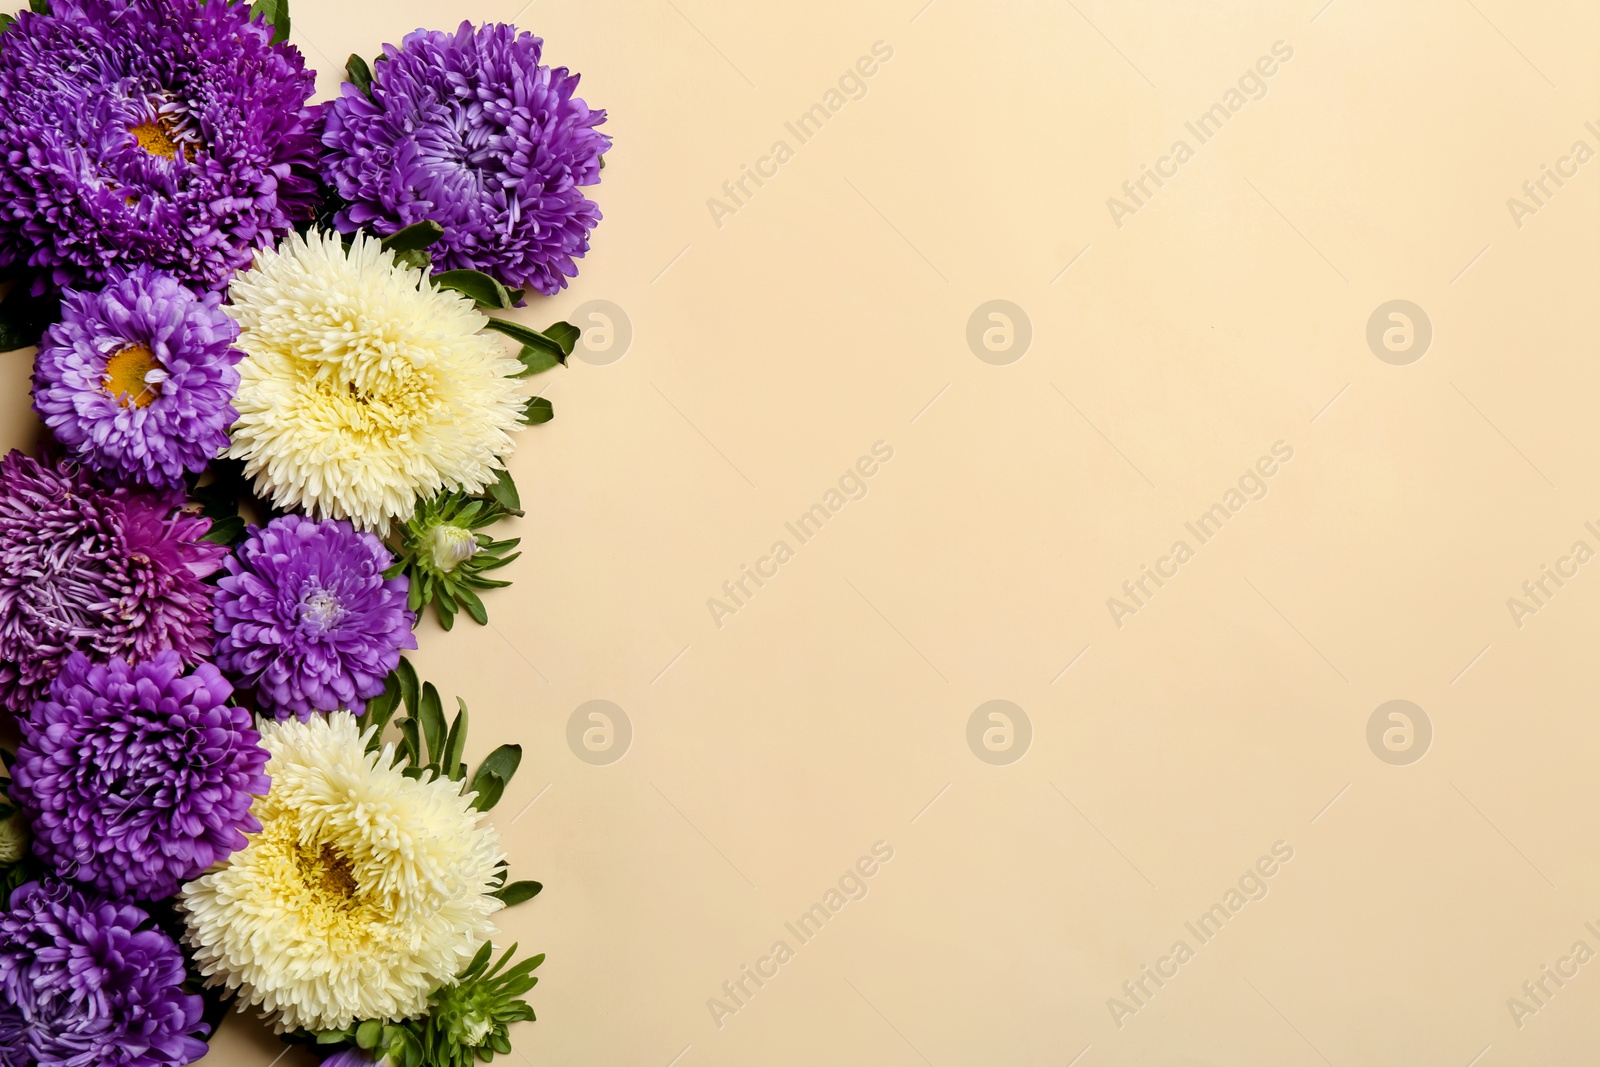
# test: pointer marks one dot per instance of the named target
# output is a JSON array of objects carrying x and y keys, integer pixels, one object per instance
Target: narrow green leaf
[
  {"x": 417, "y": 236},
  {"x": 487, "y": 291},
  {"x": 447, "y": 613},
  {"x": 486, "y": 790},
  {"x": 537, "y": 410},
  {"x": 5, "y": 22},
  {"x": 479, "y": 962},
  {"x": 504, "y": 492},
  {"x": 536, "y": 360},
  {"x": 472, "y": 605},
  {"x": 431, "y": 714},
  {"x": 410, "y": 743},
  {"x": 39, "y": 7},
  {"x": 516, "y": 893},
  {"x": 455, "y": 744},
  {"x": 406, "y": 675},
  {"x": 358, "y": 73},
  {"x": 528, "y": 336}
]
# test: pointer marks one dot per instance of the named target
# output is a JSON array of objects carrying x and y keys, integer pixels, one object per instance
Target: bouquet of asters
[{"x": 279, "y": 407}]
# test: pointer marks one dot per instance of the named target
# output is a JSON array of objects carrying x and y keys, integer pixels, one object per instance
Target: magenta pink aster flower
[
  {"x": 306, "y": 619},
  {"x": 85, "y": 982},
  {"x": 471, "y": 131},
  {"x": 136, "y": 379},
  {"x": 111, "y": 573},
  {"x": 172, "y": 133},
  {"x": 136, "y": 779}
]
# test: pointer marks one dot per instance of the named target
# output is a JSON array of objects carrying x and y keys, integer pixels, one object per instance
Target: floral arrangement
[{"x": 279, "y": 409}]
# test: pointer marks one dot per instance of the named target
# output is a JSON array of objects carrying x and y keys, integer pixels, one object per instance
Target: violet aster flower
[
  {"x": 307, "y": 620},
  {"x": 111, "y": 573},
  {"x": 85, "y": 982},
  {"x": 165, "y": 132},
  {"x": 135, "y": 380},
  {"x": 470, "y": 131},
  {"x": 137, "y": 779}
]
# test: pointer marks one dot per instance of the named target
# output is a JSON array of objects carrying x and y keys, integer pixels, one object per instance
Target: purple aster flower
[
  {"x": 306, "y": 618},
  {"x": 136, "y": 379},
  {"x": 470, "y": 131},
  {"x": 172, "y": 133},
  {"x": 137, "y": 779},
  {"x": 85, "y": 982},
  {"x": 111, "y": 573}
]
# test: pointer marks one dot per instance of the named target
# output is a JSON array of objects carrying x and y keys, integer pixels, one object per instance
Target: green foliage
[
  {"x": 446, "y": 559},
  {"x": 486, "y": 291},
  {"x": 431, "y": 745},
  {"x": 358, "y": 73},
  {"x": 557, "y": 340},
  {"x": 537, "y": 410},
  {"x": 274, "y": 13}
]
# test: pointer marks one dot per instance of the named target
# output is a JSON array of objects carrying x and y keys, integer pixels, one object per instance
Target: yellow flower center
[
  {"x": 155, "y": 138},
  {"x": 129, "y": 376},
  {"x": 327, "y": 874}
]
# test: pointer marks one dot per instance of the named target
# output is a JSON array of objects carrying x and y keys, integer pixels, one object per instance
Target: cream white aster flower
[
  {"x": 362, "y": 893},
  {"x": 363, "y": 386}
]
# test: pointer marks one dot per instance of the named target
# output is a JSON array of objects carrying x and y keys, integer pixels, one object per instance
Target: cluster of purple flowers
[{"x": 148, "y": 150}]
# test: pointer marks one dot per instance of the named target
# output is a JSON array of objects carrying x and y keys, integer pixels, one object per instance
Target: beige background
[{"x": 830, "y": 312}]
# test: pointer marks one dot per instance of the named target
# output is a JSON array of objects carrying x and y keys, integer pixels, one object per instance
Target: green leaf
[
  {"x": 410, "y": 744},
  {"x": 39, "y": 7},
  {"x": 536, "y": 360},
  {"x": 472, "y": 604},
  {"x": 332, "y": 1037},
  {"x": 564, "y": 334},
  {"x": 415, "y": 258},
  {"x": 431, "y": 714},
  {"x": 537, "y": 410},
  {"x": 414, "y": 237},
  {"x": 274, "y": 13},
  {"x": 368, "y": 1033},
  {"x": 406, "y": 675},
  {"x": 358, "y": 73},
  {"x": 5, "y": 22},
  {"x": 455, "y": 744},
  {"x": 225, "y": 531},
  {"x": 502, "y": 762},
  {"x": 515, "y": 894},
  {"x": 479, "y": 962},
  {"x": 529, "y": 336},
  {"x": 488, "y": 292},
  {"x": 504, "y": 492},
  {"x": 486, "y": 790}
]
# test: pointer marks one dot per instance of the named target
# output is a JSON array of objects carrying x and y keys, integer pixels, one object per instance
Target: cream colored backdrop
[{"x": 1151, "y": 354}]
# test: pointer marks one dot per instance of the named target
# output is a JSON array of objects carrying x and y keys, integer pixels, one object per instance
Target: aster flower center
[
  {"x": 321, "y": 610},
  {"x": 134, "y": 376},
  {"x": 156, "y": 138}
]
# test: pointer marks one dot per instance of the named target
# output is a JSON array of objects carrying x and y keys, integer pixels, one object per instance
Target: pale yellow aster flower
[
  {"x": 363, "y": 386},
  {"x": 362, "y": 893}
]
